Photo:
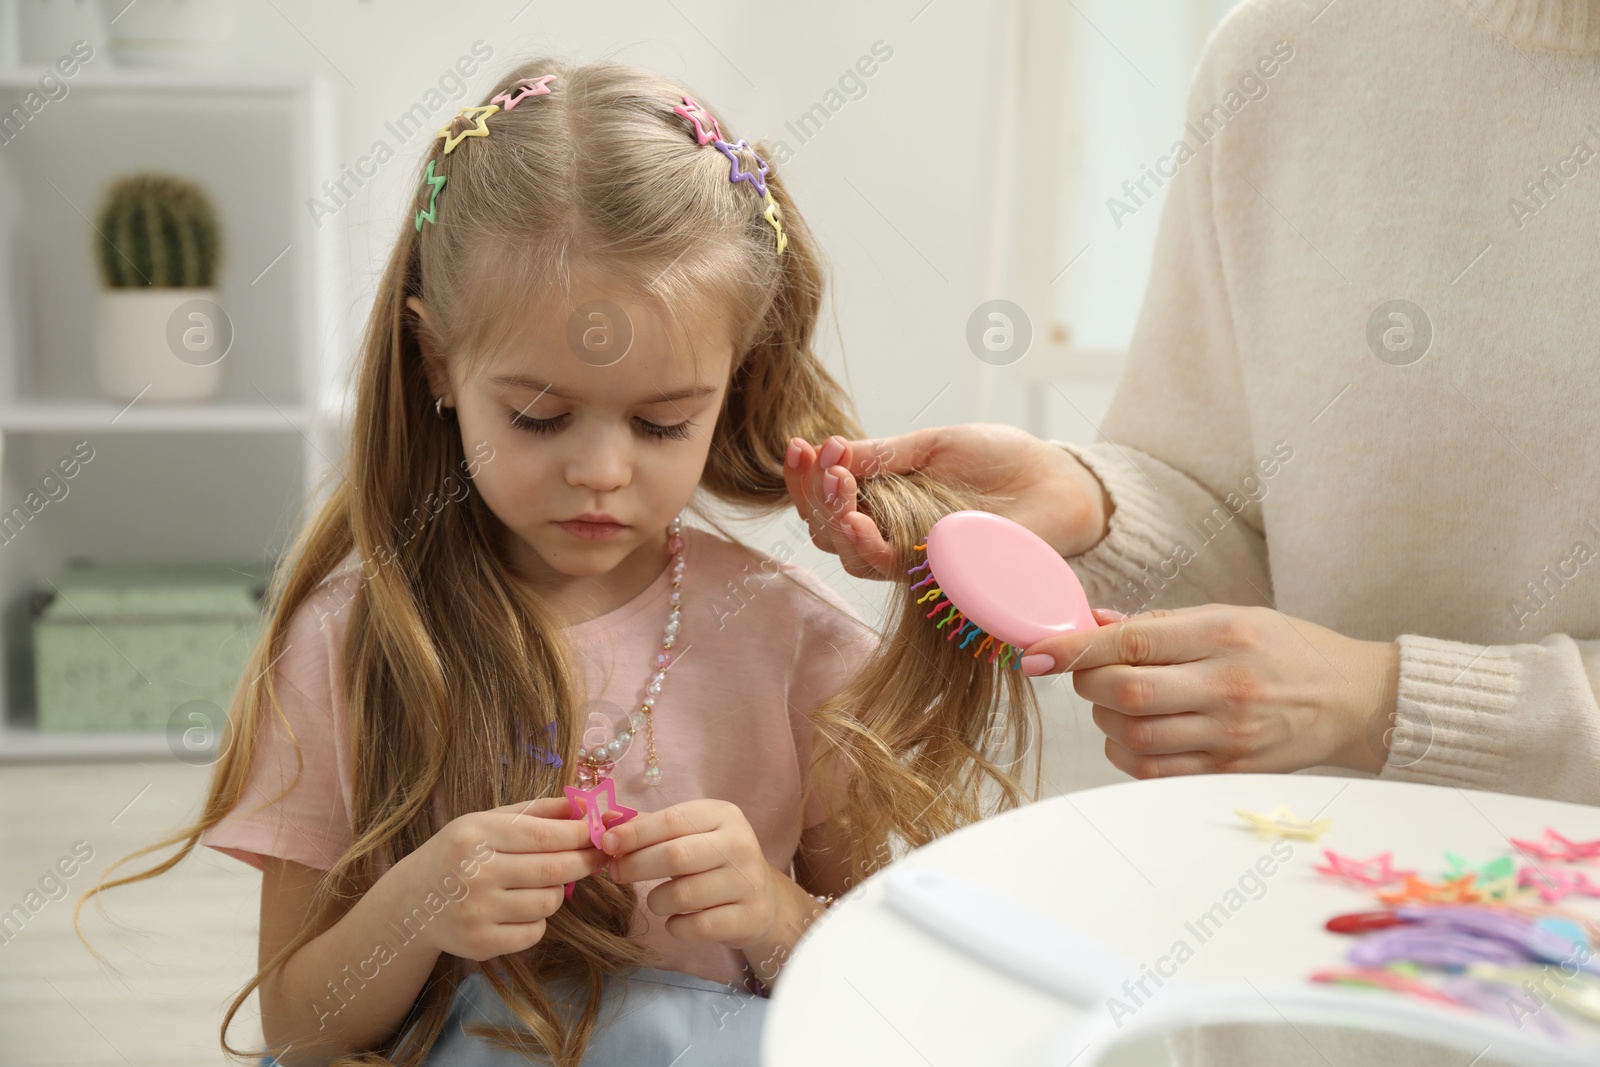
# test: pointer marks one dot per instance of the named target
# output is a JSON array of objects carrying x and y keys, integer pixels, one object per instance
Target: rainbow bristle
[{"x": 1009, "y": 655}]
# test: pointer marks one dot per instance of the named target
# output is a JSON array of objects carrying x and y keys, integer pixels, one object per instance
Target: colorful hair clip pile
[
  {"x": 1484, "y": 937},
  {"x": 706, "y": 131}
]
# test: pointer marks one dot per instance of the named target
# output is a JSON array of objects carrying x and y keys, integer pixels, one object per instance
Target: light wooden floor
[{"x": 185, "y": 943}]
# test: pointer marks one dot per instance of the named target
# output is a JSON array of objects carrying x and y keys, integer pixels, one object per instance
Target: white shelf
[
  {"x": 22, "y": 744},
  {"x": 94, "y": 76},
  {"x": 214, "y": 481},
  {"x": 69, "y": 416}
]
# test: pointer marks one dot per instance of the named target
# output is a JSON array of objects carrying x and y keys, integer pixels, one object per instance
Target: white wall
[
  {"x": 911, "y": 147},
  {"x": 900, "y": 185}
]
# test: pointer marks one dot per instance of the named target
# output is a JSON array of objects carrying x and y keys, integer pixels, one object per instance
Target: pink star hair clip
[
  {"x": 1377, "y": 871},
  {"x": 697, "y": 114},
  {"x": 525, "y": 88},
  {"x": 1554, "y": 848},
  {"x": 1556, "y": 883},
  {"x": 598, "y": 804}
]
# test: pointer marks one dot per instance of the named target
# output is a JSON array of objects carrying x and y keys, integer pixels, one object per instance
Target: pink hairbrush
[{"x": 998, "y": 584}]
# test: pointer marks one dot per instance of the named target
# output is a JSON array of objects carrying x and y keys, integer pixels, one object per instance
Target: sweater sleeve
[
  {"x": 1502, "y": 718},
  {"x": 1176, "y": 456}
]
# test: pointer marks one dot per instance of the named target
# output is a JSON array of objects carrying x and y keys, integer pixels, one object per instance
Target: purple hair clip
[{"x": 758, "y": 181}]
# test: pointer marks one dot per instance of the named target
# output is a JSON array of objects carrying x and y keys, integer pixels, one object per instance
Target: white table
[{"x": 1133, "y": 866}]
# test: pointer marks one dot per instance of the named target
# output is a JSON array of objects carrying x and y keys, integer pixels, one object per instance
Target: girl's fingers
[
  {"x": 691, "y": 854},
  {"x": 697, "y": 892},
  {"x": 503, "y": 939},
  {"x": 528, "y": 870},
  {"x": 722, "y": 923},
  {"x": 543, "y": 808},
  {"x": 516, "y": 906},
  {"x": 1158, "y": 735},
  {"x": 519, "y": 832},
  {"x": 691, "y": 818}
]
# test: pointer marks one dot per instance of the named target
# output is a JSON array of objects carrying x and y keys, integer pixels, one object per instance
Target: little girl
[{"x": 601, "y": 301}]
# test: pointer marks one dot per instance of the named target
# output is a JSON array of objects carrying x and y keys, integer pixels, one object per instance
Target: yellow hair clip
[
  {"x": 480, "y": 115},
  {"x": 771, "y": 215}
]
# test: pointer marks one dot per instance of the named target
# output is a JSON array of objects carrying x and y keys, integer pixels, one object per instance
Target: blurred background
[{"x": 955, "y": 159}]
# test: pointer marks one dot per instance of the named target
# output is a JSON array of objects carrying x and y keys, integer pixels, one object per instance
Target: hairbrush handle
[{"x": 1012, "y": 939}]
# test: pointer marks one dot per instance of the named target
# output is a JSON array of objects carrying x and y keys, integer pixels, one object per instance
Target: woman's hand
[
  {"x": 1221, "y": 687},
  {"x": 499, "y": 874},
  {"x": 1040, "y": 485},
  {"x": 719, "y": 885}
]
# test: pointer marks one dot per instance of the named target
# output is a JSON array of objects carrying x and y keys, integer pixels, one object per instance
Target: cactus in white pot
[{"x": 160, "y": 333}]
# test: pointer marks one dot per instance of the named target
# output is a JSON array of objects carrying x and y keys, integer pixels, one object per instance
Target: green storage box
[{"x": 123, "y": 647}]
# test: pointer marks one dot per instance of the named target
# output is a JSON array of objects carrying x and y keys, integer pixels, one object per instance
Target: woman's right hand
[
  {"x": 512, "y": 862},
  {"x": 1039, "y": 485}
]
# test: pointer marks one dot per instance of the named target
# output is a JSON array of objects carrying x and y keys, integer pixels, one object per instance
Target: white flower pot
[
  {"x": 171, "y": 33},
  {"x": 148, "y": 345}
]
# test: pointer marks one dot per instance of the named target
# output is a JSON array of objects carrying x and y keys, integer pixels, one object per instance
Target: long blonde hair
[{"x": 444, "y": 642}]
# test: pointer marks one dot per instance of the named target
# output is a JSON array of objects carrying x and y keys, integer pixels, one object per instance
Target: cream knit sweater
[
  {"x": 1441, "y": 152},
  {"x": 1259, "y": 450}
]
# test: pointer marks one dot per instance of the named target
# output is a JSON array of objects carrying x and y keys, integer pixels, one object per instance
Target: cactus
[{"x": 158, "y": 231}]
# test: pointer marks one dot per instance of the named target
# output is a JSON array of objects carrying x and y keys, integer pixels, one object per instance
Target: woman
[{"x": 1348, "y": 486}]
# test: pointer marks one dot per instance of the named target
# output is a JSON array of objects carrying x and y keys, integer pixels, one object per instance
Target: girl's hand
[
  {"x": 719, "y": 885},
  {"x": 1221, "y": 687},
  {"x": 1040, "y": 485},
  {"x": 499, "y": 874}
]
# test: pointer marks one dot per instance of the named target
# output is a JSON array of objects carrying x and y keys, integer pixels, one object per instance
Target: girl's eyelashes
[
  {"x": 674, "y": 432},
  {"x": 533, "y": 425},
  {"x": 677, "y": 431}
]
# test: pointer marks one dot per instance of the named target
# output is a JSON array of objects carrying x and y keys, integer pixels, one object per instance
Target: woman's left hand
[
  {"x": 719, "y": 884},
  {"x": 1226, "y": 688}
]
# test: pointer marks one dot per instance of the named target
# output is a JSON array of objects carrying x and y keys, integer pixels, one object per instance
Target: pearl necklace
[{"x": 597, "y": 763}]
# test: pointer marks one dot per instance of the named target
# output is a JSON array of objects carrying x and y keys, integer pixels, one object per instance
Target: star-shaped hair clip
[
  {"x": 1284, "y": 823},
  {"x": 1417, "y": 891},
  {"x": 1495, "y": 880},
  {"x": 437, "y": 181},
  {"x": 1554, "y": 848},
  {"x": 756, "y": 178},
  {"x": 477, "y": 115},
  {"x": 1555, "y": 883},
  {"x": 699, "y": 115},
  {"x": 771, "y": 215},
  {"x": 525, "y": 88},
  {"x": 597, "y": 804},
  {"x": 1379, "y": 870}
]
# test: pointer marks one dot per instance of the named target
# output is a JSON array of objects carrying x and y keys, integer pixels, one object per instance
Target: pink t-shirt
[{"x": 755, "y": 654}]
